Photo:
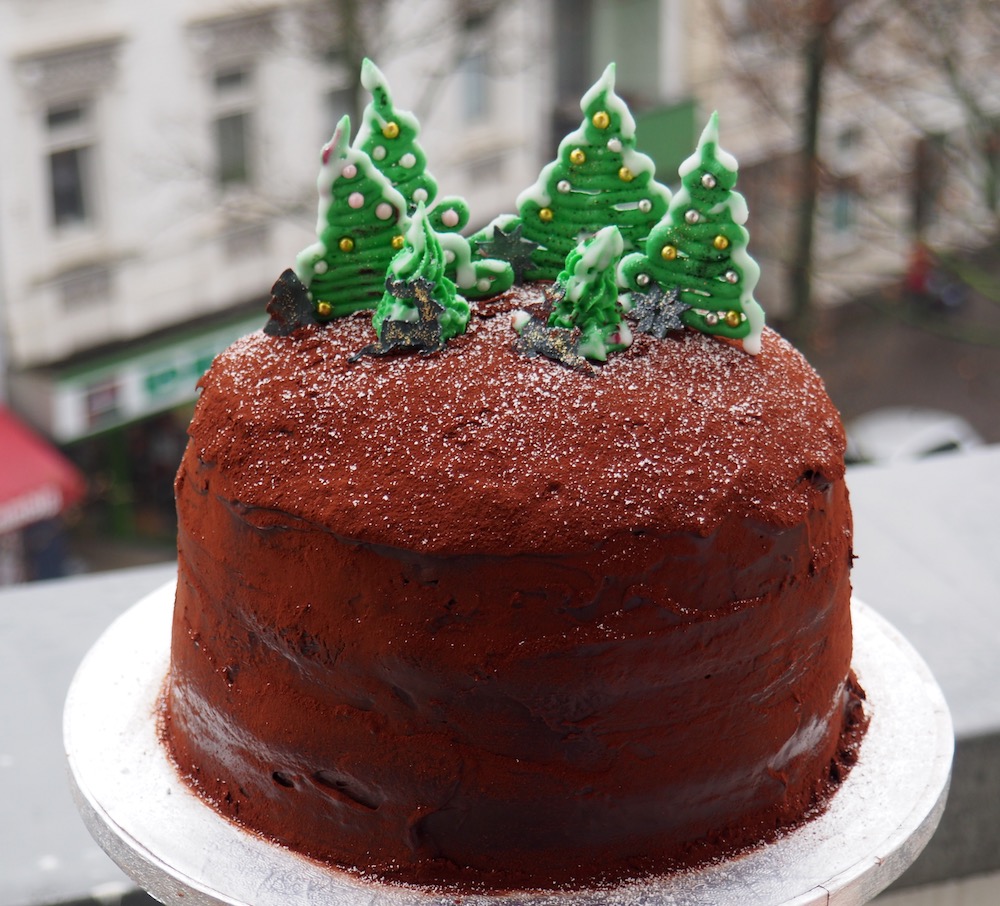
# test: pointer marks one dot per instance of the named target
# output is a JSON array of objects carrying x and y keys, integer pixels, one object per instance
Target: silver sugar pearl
[
  {"x": 642, "y": 279},
  {"x": 708, "y": 181},
  {"x": 732, "y": 277},
  {"x": 692, "y": 216},
  {"x": 645, "y": 205},
  {"x": 712, "y": 318},
  {"x": 563, "y": 185}
]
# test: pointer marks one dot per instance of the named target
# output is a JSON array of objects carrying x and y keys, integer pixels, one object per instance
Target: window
[
  {"x": 233, "y": 125},
  {"x": 102, "y": 403},
  {"x": 847, "y": 150},
  {"x": 70, "y": 151},
  {"x": 573, "y": 51},
  {"x": 67, "y": 87},
  {"x": 231, "y": 80},
  {"x": 930, "y": 168},
  {"x": 231, "y": 133},
  {"x": 840, "y": 209},
  {"x": 476, "y": 18},
  {"x": 67, "y": 171},
  {"x": 338, "y": 102},
  {"x": 476, "y": 99},
  {"x": 632, "y": 40},
  {"x": 844, "y": 208}
]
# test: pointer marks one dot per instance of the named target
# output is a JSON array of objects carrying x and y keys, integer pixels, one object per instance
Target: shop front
[
  {"x": 121, "y": 419},
  {"x": 37, "y": 487}
]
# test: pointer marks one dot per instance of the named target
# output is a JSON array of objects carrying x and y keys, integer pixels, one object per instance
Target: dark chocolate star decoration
[
  {"x": 289, "y": 306},
  {"x": 423, "y": 334},
  {"x": 658, "y": 311},
  {"x": 511, "y": 247},
  {"x": 560, "y": 344}
]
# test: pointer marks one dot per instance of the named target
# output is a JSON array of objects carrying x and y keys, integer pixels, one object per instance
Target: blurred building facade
[
  {"x": 157, "y": 172},
  {"x": 906, "y": 98}
]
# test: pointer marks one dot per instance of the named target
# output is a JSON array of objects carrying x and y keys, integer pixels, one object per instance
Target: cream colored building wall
[
  {"x": 161, "y": 235},
  {"x": 166, "y": 244}
]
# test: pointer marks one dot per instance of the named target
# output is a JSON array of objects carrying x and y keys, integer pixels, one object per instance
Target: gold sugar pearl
[
  {"x": 668, "y": 253},
  {"x": 324, "y": 309},
  {"x": 391, "y": 130},
  {"x": 734, "y": 318},
  {"x": 626, "y": 175},
  {"x": 398, "y": 242},
  {"x": 346, "y": 244},
  {"x": 576, "y": 156},
  {"x": 546, "y": 215},
  {"x": 601, "y": 119},
  {"x": 720, "y": 242}
]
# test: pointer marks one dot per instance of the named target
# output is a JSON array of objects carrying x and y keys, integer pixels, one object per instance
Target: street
[{"x": 884, "y": 351}]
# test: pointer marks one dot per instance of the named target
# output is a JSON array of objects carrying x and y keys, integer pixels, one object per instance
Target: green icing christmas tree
[
  {"x": 598, "y": 179},
  {"x": 698, "y": 252},
  {"x": 389, "y": 137},
  {"x": 477, "y": 278},
  {"x": 587, "y": 296},
  {"x": 359, "y": 230},
  {"x": 421, "y": 263}
]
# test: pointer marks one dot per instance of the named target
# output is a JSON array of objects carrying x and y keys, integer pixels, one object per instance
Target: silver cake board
[{"x": 182, "y": 852}]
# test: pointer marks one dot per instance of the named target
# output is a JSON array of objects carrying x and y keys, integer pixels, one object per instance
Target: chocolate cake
[{"x": 505, "y": 609}]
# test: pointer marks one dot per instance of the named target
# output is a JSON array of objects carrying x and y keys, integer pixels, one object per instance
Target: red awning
[{"x": 36, "y": 481}]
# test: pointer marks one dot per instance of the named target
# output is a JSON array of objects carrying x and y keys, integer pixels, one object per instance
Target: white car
[{"x": 898, "y": 433}]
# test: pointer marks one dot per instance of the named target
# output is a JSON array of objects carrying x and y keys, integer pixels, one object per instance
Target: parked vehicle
[{"x": 899, "y": 433}]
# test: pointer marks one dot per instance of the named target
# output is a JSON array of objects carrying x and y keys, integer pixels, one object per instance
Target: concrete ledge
[
  {"x": 927, "y": 537},
  {"x": 966, "y": 842},
  {"x": 46, "y": 854}
]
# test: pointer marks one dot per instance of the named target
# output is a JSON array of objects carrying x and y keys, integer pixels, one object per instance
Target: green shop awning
[
  {"x": 75, "y": 400},
  {"x": 669, "y": 135}
]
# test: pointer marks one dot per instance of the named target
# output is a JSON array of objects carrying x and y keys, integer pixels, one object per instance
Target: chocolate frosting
[{"x": 475, "y": 619}]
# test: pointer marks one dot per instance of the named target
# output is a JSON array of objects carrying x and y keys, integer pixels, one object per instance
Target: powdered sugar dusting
[{"x": 479, "y": 442}]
